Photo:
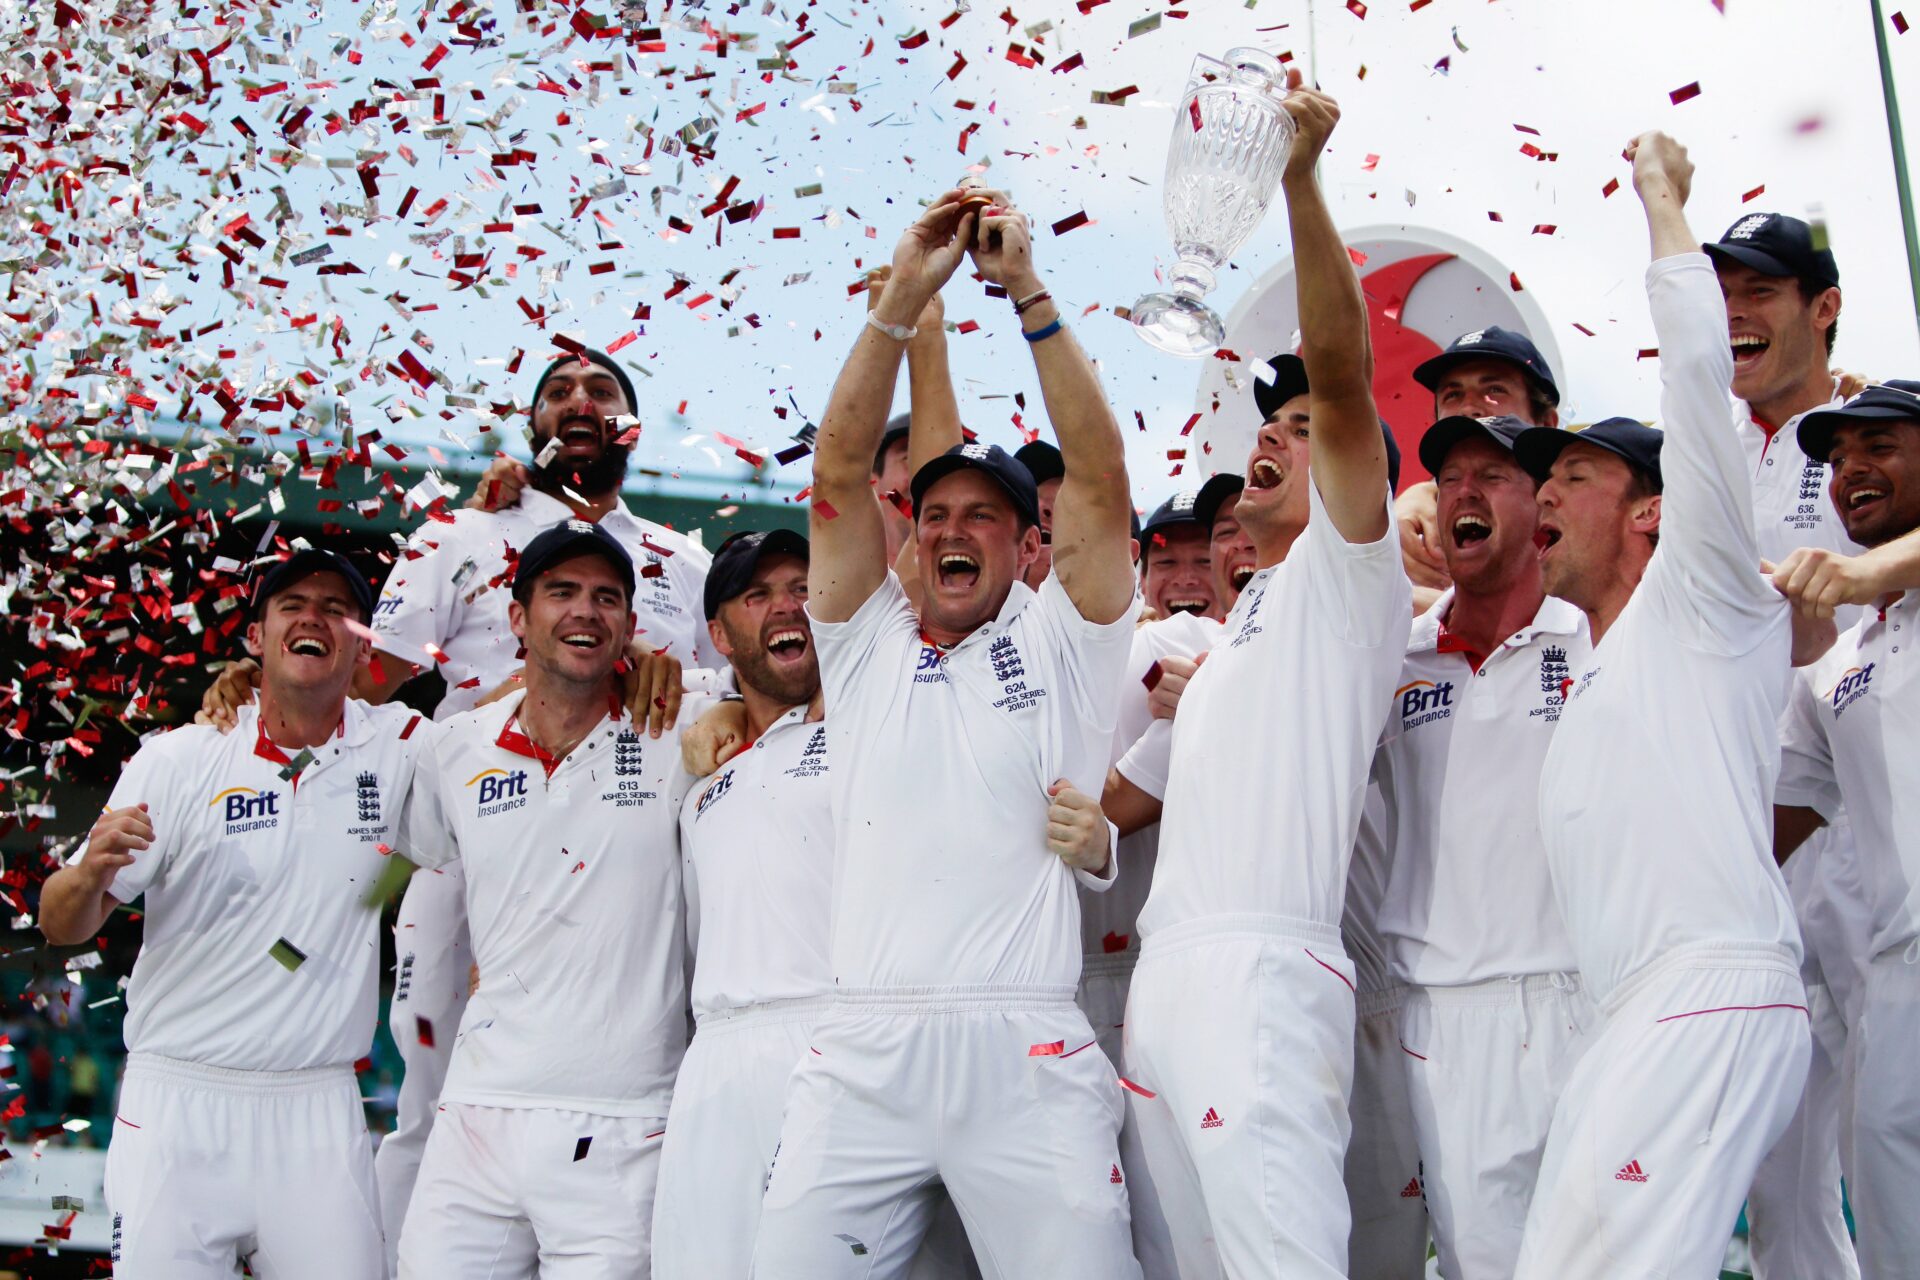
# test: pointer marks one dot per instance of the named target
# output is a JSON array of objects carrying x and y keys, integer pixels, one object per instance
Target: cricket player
[
  {"x": 1176, "y": 572},
  {"x": 1783, "y": 304},
  {"x": 447, "y": 596},
  {"x": 1240, "y": 1025},
  {"x": 1655, "y": 799},
  {"x": 239, "y": 1136},
  {"x": 1851, "y": 736},
  {"x": 564, "y": 816},
  {"x": 1494, "y": 1017},
  {"x": 952, "y": 1052}
]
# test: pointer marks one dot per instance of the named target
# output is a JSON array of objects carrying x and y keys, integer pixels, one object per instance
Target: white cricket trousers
[
  {"x": 1691, "y": 1079},
  {"x": 1388, "y": 1239},
  {"x": 511, "y": 1193},
  {"x": 433, "y": 962},
  {"x": 1796, "y": 1225},
  {"x": 1886, "y": 1117},
  {"x": 1000, "y": 1093},
  {"x": 208, "y": 1167},
  {"x": 1485, "y": 1065},
  {"x": 722, "y": 1130},
  {"x": 1240, "y": 1034},
  {"x": 1105, "y": 980}
]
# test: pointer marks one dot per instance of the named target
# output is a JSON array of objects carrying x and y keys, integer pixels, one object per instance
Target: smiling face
[
  {"x": 1178, "y": 575},
  {"x": 764, "y": 633},
  {"x": 575, "y": 621},
  {"x": 970, "y": 549},
  {"x": 1275, "y": 498},
  {"x": 577, "y": 405},
  {"x": 1876, "y": 479},
  {"x": 1487, "y": 517},
  {"x": 1231, "y": 556},
  {"x": 1778, "y": 334},
  {"x": 302, "y": 637},
  {"x": 1488, "y": 388},
  {"x": 1591, "y": 511}
]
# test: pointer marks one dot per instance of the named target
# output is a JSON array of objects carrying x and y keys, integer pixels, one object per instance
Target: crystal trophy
[{"x": 1231, "y": 138}]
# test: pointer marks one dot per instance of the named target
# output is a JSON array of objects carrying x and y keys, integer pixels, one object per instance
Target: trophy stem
[{"x": 1177, "y": 321}]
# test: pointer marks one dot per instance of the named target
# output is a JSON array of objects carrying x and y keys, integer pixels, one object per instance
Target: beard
[
  {"x": 752, "y": 666},
  {"x": 602, "y": 475}
]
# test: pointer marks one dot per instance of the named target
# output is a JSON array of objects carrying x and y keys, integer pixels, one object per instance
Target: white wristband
[{"x": 898, "y": 332}]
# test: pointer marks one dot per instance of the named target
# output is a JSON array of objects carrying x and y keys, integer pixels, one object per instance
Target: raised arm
[
  {"x": 1092, "y": 513},
  {"x": 849, "y": 559},
  {"x": 1348, "y": 457},
  {"x": 1706, "y": 509}
]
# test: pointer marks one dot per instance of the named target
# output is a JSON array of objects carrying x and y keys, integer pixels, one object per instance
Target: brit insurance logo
[
  {"x": 246, "y": 809},
  {"x": 498, "y": 791},
  {"x": 711, "y": 796},
  {"x": 1423, "y": 702},
  {"x": 1854, "y": 685}
]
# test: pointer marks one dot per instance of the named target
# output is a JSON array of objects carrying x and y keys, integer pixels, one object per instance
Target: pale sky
[{"x": 1789, "y": 98}]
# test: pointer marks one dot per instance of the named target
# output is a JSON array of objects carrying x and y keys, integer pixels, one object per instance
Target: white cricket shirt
[
  {"x": 1467, "y": 895},
  {"x": 1109, "y": 921},
  {"x": 942, "y": 761},
  {"x": 451, "y": 587},
  {"x": 756, "y": 849},
  {"x": 1275, "y": 732},
  {"x": 243, "y": 860},
  {"x": 1656, "y": 796},
  {"x": 1852, "y": 734},
  {"x": 575, "y": 909},
  {"x": 1791, "y": 504}
]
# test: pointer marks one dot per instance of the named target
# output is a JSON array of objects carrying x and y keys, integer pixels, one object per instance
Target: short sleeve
[
  {"x": 426, "y": 834},
  {"x": 1089, "y": 658},
  {"x": 1148, "y": 761},
  {"x": 847, "y": 649},
  {"x": 150, "y": 778},
  {"x": 1807, "y": 776},
  {"x": 1359, "y": 589},
  {"x": 420, "y": 603}
]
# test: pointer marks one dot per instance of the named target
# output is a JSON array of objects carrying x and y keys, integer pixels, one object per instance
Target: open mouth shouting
[
  {"x": 957, "y": 570},
  {"x": 787, "y": 645},
  {"x": 309, "y": 647},
  {"x": 1470, "y": 530},
  {"x": 1748, "y": 348},
  {"x": 1546, "y": 538},
  {"x": 1862, "y": 497},
  {"x": 580, "y": 433},
  {"x": 1264, "y": 473}
]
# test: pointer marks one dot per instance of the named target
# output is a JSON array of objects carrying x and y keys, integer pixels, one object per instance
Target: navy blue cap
[
  {"x": 992, "y": 459},
  {"x": 897, "y": 427},
  {"x": 1393, "y": 457},
  {"x": 564, "y": 541},
  {"x": 1490, "y": 343},
  {"x": 1634, "y": 441},
  {"x": 304, "y": 564},
  {"x": 592, "y": 356},
  {"x": 1042, "y": 461},
  {"x": 1177, "y": 510},
  {"x": 1289, "y": 380},
  {"x": 734, "y": 563},
  {"x": 1219, "y": 490},
  {"x": 1440, "y": 438},
  {"x": 1888, "y": 401},
  {"x": 1775, "y": 244}
]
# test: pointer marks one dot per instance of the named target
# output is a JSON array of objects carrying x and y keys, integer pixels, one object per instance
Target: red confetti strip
[
  {"x": 1613, "y": 185},
  {"x": 1899, "y": 23},
  {"x": 1070, "y": 222},
  {"x": 1685, "y": 92},
  {"x": 1754, "y": 194}
]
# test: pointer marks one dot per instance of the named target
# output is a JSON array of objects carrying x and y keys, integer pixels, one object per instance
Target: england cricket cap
[
  {"x": 1490, "y": 343},
  {"x": 304, "y": 564},
  {"x": 1289, "y": 380},
  {"x": 739, "y": 556},
  {"x": 1887, "y": 402},
  {"x": 1216, "y": 492},
  {"x": 996, "y": 462},
  {"x": 1775, "y": 244},
  {"x": 1443, "y": 435},
  {"x": 1177, "y": 510},
  {"x": 1042, "y": 461},
  {"x": 1635, "y": 442},
  {"x": 897, "y": 428},
  {"x": 564, "y": 541}
]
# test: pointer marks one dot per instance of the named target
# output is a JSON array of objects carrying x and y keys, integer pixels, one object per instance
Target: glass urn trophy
[{"x": 1230, "y": 142}]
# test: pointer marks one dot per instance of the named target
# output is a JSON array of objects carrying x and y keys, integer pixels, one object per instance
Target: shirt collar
[{"x": 1554, "y": 617}]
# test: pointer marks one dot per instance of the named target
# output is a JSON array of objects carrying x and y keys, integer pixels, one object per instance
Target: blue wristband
[{"x": 1041, "y": 334}]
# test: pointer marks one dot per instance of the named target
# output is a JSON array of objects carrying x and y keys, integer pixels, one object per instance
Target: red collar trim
[
  {"x": 516, "y": 740},
  {"x": 267, "y": 749},
  {"x": 1448, "y": 642}
]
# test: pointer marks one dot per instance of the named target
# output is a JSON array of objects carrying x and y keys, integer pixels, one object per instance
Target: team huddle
[{"x": 993, "y": 883}]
